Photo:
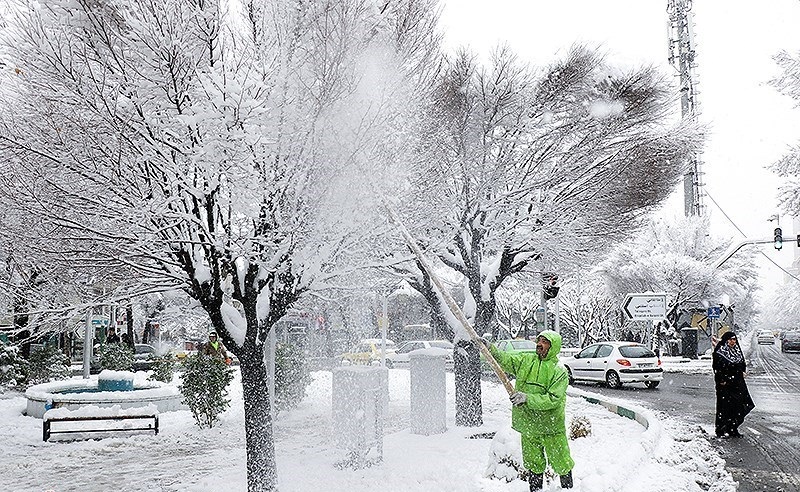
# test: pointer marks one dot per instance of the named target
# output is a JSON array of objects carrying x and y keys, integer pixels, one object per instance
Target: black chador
[{"x": 733, "y": 399}]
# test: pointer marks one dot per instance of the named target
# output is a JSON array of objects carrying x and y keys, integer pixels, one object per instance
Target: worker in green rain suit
[{"x": 538, "y": 411}]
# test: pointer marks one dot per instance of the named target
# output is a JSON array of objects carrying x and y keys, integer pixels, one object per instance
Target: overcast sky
[{"x": 751, "y": 124}]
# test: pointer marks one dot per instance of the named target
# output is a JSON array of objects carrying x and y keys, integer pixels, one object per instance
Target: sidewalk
[{"x": 621, "y": 454}]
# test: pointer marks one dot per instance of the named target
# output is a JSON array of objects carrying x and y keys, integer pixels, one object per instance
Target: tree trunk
[
  {"x": 261, "y": 469},
  {"x": 129, "y": 323},
  {"x": 467, "y": 370}
]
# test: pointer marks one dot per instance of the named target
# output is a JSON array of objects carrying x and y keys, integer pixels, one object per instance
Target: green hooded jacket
[{"x": 544, "y": 381}]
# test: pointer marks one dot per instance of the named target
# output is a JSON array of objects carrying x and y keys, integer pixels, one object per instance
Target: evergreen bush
[
  {"x": 46, "y": 364},
  {"x": 291, "y": 376},
  {"x": 579, "y": 426},
  {"x": 116, "y": 357},
  {"x": 13, "y": 368},
  {"x": 205, "y": 388},
  {"x": 163, "y": 368}
]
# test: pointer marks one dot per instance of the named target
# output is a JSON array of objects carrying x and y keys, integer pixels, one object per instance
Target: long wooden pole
[{"x": 451, "y": 303}]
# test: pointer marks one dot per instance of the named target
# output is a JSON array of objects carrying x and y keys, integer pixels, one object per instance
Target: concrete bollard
[
  {"x": 428, "y": 392},
  {"x": 360, "y": 397}
]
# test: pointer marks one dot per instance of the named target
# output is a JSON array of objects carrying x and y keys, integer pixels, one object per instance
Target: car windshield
[
  {"x": 792, "y": 335},
  {"x": 444, "y": 345},
  {"x": 523, "y": 345},
  {"x": 635, "y": 352}
]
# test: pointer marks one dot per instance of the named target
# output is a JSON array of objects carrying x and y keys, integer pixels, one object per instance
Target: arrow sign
[{"x": 651, "y": 307}]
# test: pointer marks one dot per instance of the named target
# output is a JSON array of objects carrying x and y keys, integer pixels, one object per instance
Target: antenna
[{"x": 682, "y": 57}]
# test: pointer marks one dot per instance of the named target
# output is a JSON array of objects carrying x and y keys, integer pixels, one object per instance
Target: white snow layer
[
  {"x": 620, "y": 455},
  {"x": 109, "y": 375},
  {"x": 234, "y": 322}
]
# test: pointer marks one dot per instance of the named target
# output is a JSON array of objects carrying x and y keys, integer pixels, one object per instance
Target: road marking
[{"x": 754, "y": 431}]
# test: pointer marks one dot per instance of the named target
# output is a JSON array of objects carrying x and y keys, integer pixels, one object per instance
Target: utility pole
[{"x": 682, "y": 58}]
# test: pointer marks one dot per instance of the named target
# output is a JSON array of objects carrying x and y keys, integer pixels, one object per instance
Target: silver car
[{"x": 765, "y": 336}]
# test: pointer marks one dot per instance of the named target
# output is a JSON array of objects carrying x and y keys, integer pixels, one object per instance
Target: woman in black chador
[{"x": 733, "y": 399}]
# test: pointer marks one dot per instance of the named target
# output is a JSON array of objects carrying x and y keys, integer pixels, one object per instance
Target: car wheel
[
  {"x": 389, "y": 364},
  {"x": 651, "y": 384},
  {"x": 612, "y": 380},
  {"x": 569, "y": 375}
]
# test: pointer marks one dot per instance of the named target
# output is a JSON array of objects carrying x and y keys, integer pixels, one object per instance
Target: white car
[
  {"x": 765, "y": 336},
  {"x": 615, "y": 363},
  {"x": 401, "y": 356}
]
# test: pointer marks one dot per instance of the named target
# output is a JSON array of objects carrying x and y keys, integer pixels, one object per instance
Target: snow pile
[{"x": 109, "y": 375}]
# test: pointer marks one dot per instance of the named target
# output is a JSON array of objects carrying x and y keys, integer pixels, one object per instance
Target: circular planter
[{"x": 76, "y": 393}]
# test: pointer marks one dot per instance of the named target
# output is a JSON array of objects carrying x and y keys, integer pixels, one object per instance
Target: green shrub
[
  {"x": 47, "y": 363},
  {"x": 205, "y": 388},
  {"x": 291, "y": 376},
  {"x": 116, "y": 357},
  {"x": 13, "y": 368},
  {"x": 163, "y": 368}
]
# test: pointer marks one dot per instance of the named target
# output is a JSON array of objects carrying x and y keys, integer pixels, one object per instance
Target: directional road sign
[
  {"x": 714, "y": 312},
  {"x": 645, "y": 306}
]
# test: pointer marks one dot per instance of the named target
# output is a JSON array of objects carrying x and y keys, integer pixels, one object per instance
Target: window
[
  {"x": 604, "y": 351},
  {"x": 523, "y": 345},
  {"x": 587, "y": 353},
  {"x": 636, "y": 352}
]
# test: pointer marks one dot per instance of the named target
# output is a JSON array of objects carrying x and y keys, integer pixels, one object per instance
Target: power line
[{"x": 745, "y": 235}]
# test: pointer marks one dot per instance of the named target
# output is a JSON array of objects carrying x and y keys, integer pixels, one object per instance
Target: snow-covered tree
[
  {"x": 588, "y": 312},
  {"x": 788, "y": 167},
  {"x": 530, "y": 171},
  {"x": 676, "y": 256},
  {"x": 781, "y": 310},
  {"x": 212, "y": 146}
]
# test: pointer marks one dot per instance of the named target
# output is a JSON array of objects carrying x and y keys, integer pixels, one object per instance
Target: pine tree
[
  {"x": 163, "y": 368},
  {"x": 13, "y": 368},
  {"x": 205, "y": 388},
  {"x": 291, "y": 376},
  {"x": 116, "y": 357},
  {"x": 46, "y": 364}
]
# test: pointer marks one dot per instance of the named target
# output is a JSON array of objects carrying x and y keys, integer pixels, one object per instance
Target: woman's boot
[
  {"x": 536, "y": 481},
  {"x": 566, "y": 480}
]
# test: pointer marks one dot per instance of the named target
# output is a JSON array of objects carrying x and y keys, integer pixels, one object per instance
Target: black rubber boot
[
  {"x": 536, "y": 481},
  {"x": 566, "y": 480}
]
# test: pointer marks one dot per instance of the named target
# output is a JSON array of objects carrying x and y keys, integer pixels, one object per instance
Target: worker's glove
[{"x": 518, "y": 398}]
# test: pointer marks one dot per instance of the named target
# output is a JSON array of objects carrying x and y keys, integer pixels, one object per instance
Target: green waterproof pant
[{"x": 538, "y": 450}]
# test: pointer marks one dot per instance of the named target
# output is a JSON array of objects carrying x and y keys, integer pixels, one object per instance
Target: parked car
[
  {"x": 143, "y": 356},
  {"x": 615, "y": 363},
  {"x": 516, "y": 345},
  {"x": 401, "y": 356},
  {"x": 512, "y": 346},
  {"x": 765, "y": 336},
  {"x": 791, "y": 341},
  {"x": 367, "y": 351}
]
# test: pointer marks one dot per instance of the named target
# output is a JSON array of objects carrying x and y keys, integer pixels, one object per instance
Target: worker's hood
[{"x": 555, "y": 344}]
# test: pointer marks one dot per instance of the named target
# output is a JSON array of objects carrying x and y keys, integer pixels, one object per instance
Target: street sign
[
  {"x": 645, "y": 306},
  {"x": 714, "y": 312}
]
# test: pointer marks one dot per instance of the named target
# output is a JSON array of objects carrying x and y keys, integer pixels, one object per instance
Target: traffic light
[
  {"x": 778, "y": 238},
  {"x": 549, "y": 287}
]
